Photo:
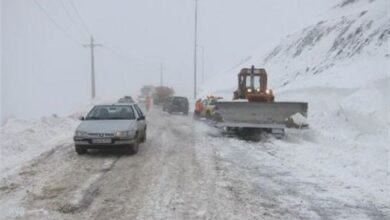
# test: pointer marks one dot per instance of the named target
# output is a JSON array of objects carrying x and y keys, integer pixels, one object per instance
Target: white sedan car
[{"x": 109, "y": 126}]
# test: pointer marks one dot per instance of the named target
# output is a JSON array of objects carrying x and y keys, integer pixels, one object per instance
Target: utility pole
[
  {"x": 202, "y": 54},
  {"x": 195, "y": 47},
  {"x": 161, "y": 75},
  {"x": 92, "y": 45}
]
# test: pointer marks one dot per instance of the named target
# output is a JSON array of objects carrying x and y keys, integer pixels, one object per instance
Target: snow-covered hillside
[
  {"x": 340, "y": 66},
  {"x": 346, "y": 47}
]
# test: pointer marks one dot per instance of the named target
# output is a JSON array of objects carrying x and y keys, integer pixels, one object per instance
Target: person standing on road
[
  {"x": 198, "y": 108},
  {"x": 148, "y": 102}
]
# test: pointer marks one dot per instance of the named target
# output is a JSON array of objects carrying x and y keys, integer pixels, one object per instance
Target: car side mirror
[
  {"x": 140, "y": 118},
  {"x": 81, "y": 118}
]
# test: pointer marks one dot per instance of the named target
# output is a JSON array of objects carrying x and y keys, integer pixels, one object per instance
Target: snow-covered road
[{"x": 185, "y": 170}]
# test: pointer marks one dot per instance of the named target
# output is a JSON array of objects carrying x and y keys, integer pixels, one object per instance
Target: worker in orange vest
[
  {"x": 198, "y": 108},
  {"x": 148, "y": 102}
]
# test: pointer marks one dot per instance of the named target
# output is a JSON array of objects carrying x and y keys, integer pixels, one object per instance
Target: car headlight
[
  {"x": 249, "y": 90},
  {"x": 80, "y": 134},
  {"x": 124, "y": 133}
]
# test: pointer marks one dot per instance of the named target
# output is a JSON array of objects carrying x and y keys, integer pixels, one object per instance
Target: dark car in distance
[
  {"x": 176, "y": 104},
  {"x": 126, "y": 99}
]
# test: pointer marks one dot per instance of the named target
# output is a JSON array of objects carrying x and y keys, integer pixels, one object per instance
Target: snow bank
[
  {"x": 347, "y": 141},
  {"x": 23, "y": 140}
]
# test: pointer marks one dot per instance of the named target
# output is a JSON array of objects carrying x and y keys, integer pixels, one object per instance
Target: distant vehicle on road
[
  {"x": 126, "y": 99},
  {"x": 176, "y": 104},
  {"x": 161, "y": 93},
  {"x": 109, "y": 126},
  {"x": 167, "y": 103}
]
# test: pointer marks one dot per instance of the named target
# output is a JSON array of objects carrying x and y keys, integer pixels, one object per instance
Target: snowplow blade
[{"x": 261, "y": 114}]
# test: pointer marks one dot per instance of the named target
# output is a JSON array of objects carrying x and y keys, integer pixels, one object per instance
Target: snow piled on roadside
[
  {"x": 340, "y": 65},
  {"x": 348, "y": 140},
  {"x": 23, "y": 140}
]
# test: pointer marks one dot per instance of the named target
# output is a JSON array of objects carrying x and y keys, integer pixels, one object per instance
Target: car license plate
[{"x": 101, "y": 141}]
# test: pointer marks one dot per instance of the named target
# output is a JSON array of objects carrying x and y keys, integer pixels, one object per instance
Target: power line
[
  {"x": 79, "y": 17},
  {"x": 152, "y": 67},
  {"x": 115, "y": 53},
  {"x": 126, "y": 60},
  {"x": 55, "y": 23},
  {"x": 127, "y": 57},
  {"x": 69, "y": 15}
]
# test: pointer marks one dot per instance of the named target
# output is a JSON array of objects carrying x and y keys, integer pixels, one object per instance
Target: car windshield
[
  {"x": 180, "y": 100},
  {"x": 111, "y": 113}
]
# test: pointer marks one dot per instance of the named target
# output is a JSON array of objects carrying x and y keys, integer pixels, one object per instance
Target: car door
[{"x": 141, "y": 121}]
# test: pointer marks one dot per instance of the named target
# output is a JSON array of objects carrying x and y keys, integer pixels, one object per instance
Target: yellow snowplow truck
[{"x": 254, "y": 107}]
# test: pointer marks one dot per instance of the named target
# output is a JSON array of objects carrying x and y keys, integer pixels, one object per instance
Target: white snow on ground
[
  {"x": 315, "y": 181},
  {"x": 23, "y": 140},
  {"x": 340, "y": 66}
]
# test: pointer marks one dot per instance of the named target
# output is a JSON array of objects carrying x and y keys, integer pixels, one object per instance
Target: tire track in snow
[
  {"x": 83, "y": 196},
  {"x": 57, "y": 183}
]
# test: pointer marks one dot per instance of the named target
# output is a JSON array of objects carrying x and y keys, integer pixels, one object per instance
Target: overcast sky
[{"x": 45, "y": 69}]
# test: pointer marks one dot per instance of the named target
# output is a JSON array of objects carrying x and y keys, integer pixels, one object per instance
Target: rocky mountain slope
[{"x": 354, "y": 34}]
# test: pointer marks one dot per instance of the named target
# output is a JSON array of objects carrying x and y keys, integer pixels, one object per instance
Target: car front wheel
[
  {"x": 144, "y": 137},
  {"x": 80, "y": 150},
  {"x": 133, "y": 148}
]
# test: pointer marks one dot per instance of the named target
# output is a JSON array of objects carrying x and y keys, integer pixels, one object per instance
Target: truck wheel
[{"x": 80, "y": 150}]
